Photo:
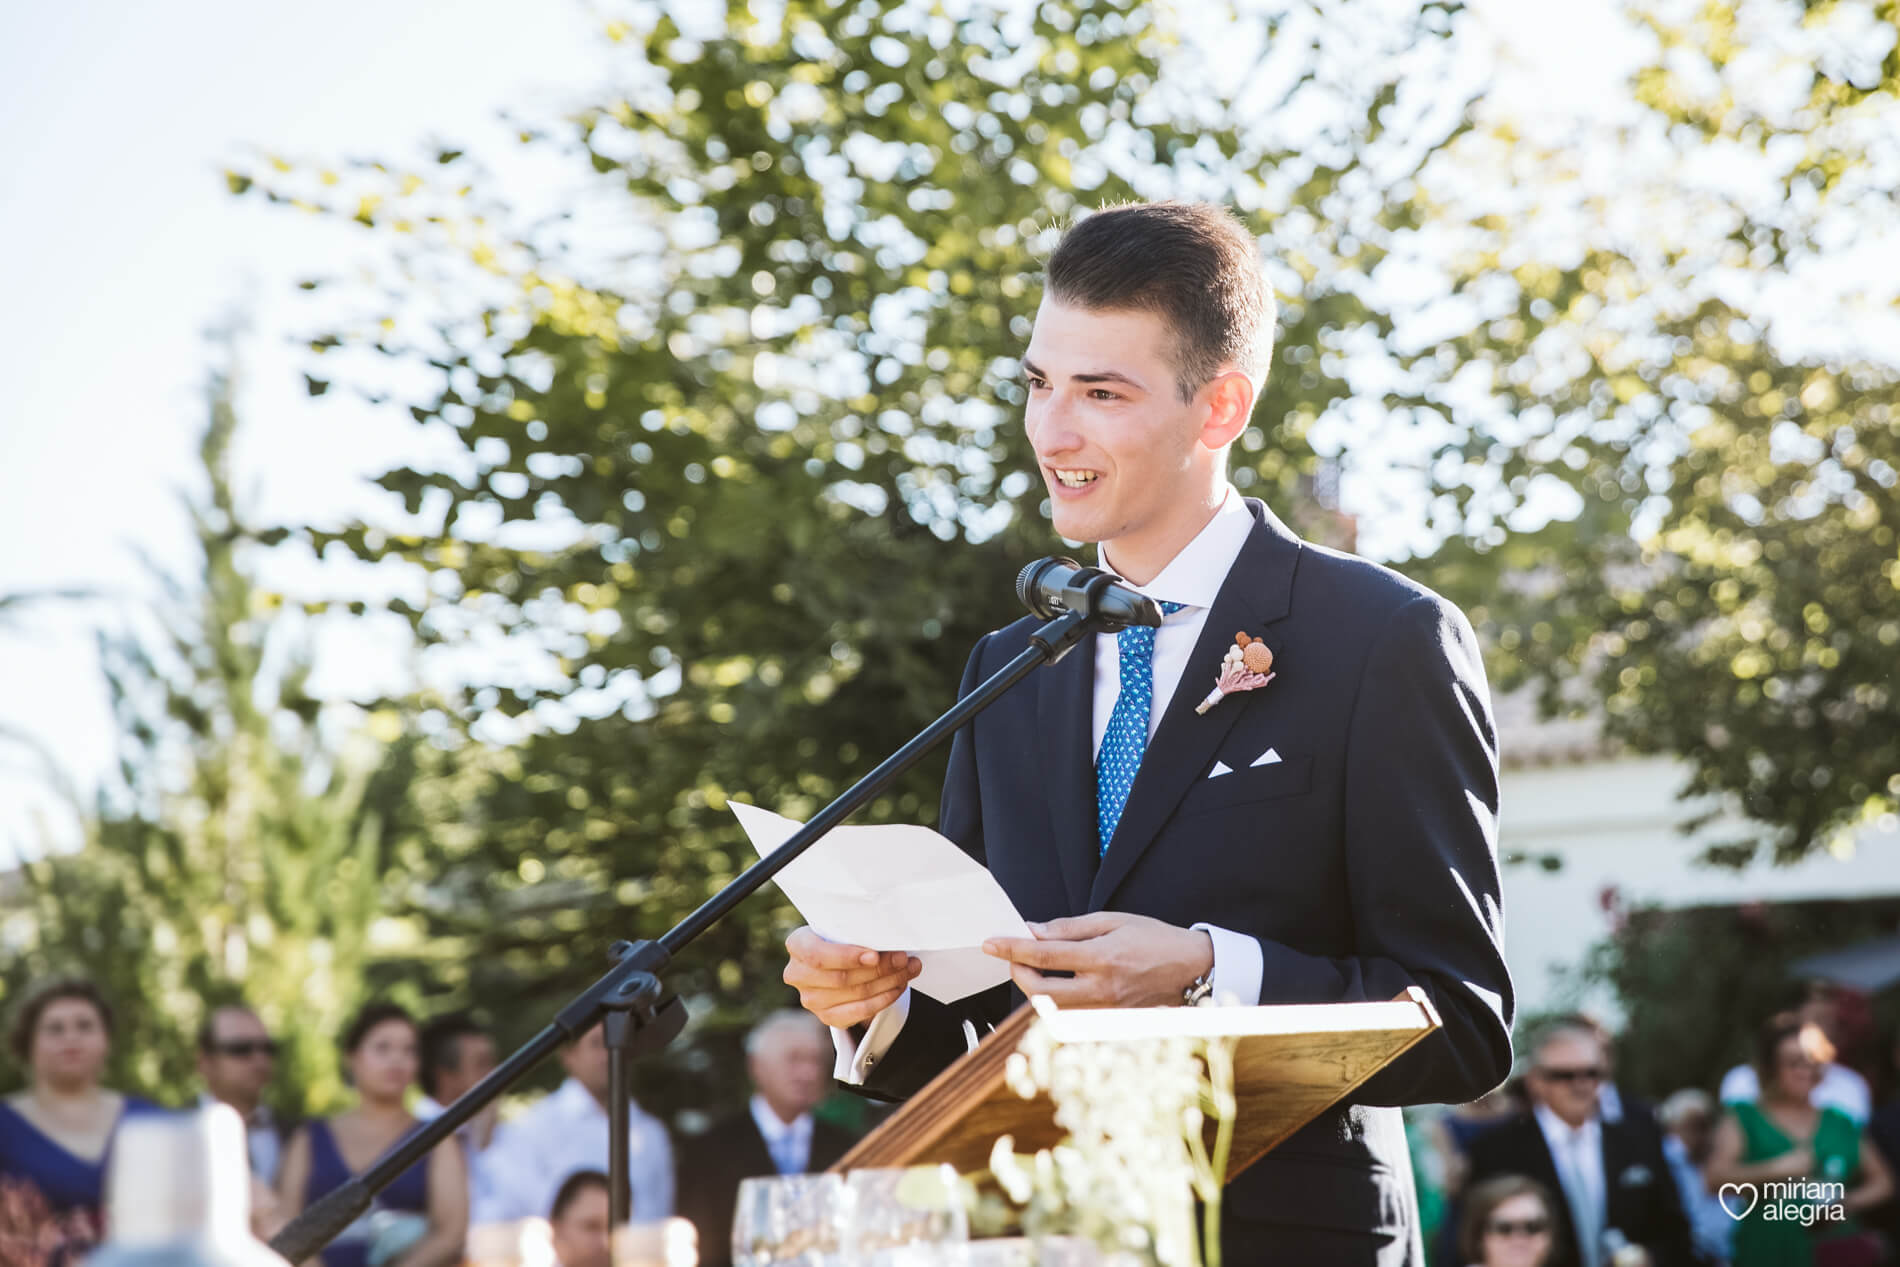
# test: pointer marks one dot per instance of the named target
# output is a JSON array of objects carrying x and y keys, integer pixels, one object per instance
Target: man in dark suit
[
  {"x": 1328, "y": 836},
  {"x": 1610, "y": 1178},
  {"x": 788, "y": 1057}
]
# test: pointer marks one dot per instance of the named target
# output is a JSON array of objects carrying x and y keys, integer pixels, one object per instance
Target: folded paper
[{"x": 899, "y": 887}]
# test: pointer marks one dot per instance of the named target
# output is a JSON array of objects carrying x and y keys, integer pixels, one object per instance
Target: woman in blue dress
[
  {"x": 421, "y": 1219},
  {"x": 56, "y": 1136}
]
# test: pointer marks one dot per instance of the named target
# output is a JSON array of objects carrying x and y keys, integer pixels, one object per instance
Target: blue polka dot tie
[{"x": 1127, "y": 734}]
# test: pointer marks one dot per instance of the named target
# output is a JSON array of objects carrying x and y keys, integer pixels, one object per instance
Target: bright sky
[{"x": 123, "y": 248}]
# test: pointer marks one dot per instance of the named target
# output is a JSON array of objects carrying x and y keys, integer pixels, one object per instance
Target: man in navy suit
[{"x": 1328, "y": 837}]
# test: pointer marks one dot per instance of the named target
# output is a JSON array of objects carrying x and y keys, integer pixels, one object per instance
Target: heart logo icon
[{"x": 1739, "y": 1189}]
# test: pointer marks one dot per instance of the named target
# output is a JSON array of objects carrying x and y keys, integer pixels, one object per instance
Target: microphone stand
[{"x": 640, "y": 1016}]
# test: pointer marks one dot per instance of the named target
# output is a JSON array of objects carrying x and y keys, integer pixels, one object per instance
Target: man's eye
[
  {"x": 1036, "y": 384},
  {"x": 1102, "y": 393}
]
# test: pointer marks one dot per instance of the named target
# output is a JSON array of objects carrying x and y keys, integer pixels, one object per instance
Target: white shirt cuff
[
  {"x": 856, "y": 1058},
  {"x": 1238, "y": 966}
]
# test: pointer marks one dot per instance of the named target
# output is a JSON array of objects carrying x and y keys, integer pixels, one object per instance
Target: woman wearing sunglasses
[{"x": 1507, "y": 1224}]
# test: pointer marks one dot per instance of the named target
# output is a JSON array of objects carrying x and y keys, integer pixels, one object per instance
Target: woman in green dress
[{"x": 1802, "y": 1174}]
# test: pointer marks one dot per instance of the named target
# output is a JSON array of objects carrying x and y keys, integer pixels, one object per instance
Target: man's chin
[{"x": 1072, "y": 525}]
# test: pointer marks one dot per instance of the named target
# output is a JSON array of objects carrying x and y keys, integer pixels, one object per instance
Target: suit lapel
[
  {"x": 1064, "y": 709},
  {"x": 1257, "y": 592}
]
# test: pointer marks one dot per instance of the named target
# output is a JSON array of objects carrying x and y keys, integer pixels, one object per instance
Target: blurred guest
[
  {"x": 532, "y": 1156},
  {"x": 457, "y": 1053},
  {"x": 579, "y": 1221},
  {"x": 1508, "y": 1223},
  {"x": 237, "y": 1058},
  {"x": 1786, "y": 1136},
  {"x": 1458, "y": 1128},
  {"x": 56, "y": 1135},
  {"x": 789, "y": 1056},
  {"x": 1838, "y": 1086},
  {"x": 1615, "y": 1103},
  {"x": 1688, "y": 1121},
  {"x": 421, "y": 1218},
  {"x": 1451, "y": 1136},
  {"x": 1611, "y": 1176}
]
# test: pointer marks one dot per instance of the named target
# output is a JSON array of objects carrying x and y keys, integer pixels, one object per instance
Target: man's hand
[
  {"x": 1118, "y": 960},
  {"x": 843, "y": 985}
]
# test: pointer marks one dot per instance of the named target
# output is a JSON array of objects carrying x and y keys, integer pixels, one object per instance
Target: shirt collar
[
  {"x": 259, "y": 1119},
  {"x": 1194, "y": 576},
  {"x": 577, "y": 1101},
  {"x": 1559, "y": 1132},
  {"x": 772, "y": 1126}
]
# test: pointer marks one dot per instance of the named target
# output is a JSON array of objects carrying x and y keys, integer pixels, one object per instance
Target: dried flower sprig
[{"x": 1247, "y": 666}]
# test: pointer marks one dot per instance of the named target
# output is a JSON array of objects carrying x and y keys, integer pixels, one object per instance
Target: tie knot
[{"x": 1140, "y": 639}]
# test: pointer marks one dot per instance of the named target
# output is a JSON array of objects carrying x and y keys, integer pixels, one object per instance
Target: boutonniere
[{"x": 1247, "y": 666}]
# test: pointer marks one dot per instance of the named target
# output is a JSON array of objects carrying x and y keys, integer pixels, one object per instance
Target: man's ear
[{"x": 1229, "y": 400}]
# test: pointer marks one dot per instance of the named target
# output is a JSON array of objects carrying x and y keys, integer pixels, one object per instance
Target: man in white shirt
[
  {"x": 523, "y": 1169},
  {"x": 1324, "y": 834},
  {"x": 456, "y": 1053}
]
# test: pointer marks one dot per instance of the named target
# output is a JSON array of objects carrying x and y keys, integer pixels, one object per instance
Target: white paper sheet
[{"x": 896, "y": 888}]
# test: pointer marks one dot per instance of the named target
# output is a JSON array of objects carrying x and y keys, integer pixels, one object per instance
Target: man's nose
[{"x": 1053, "y": 430}]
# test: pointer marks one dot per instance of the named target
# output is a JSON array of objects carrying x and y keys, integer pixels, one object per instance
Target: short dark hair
[
  {"x": 1190, "y": 263},
  {"x": 572, "y": 1187},
  {"x": 27, "y": 1019},
  {"x": 368, "y": 1018},
  {"x": 441, "y": 1042},
  {"x": 1777, "y": 1030},
  {"x": 1487, "y": 1196},
  {"x": 208, "y": 1028}
]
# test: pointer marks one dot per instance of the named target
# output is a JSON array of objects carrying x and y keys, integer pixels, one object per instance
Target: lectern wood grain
[{"x": 1292, "y": 1063}]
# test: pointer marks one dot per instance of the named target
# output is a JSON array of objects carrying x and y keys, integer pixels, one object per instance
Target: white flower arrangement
[{"x": 1134, "y": 1157}]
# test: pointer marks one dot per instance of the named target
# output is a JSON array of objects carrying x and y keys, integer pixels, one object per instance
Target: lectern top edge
[{"x": 1128, "y": 1024}]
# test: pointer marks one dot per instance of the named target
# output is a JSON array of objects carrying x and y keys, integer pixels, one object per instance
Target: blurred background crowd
[
  {"x": 403, "y": 641},
  {"x": 546, "y": 1164}
]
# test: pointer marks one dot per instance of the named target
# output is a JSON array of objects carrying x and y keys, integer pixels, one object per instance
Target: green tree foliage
[
  {"x": 734, "y": 479},
  {"x": 1719, "y": 448},
  {"x": 238, "y": 851}
]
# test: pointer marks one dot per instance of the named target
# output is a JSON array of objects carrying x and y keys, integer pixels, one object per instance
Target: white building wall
[{"x": 1614, "y": 822}]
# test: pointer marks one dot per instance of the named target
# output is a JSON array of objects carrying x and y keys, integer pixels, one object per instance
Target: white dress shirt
[
  {"x": 1578, "y": 1154},
  {"x": 428, "y": 1110},
  {"x": 793, "y": 1137},
  {"x": 1192, "y": 578},
  {"x": 529, "y": 1159},
  {"x": 1839, "y": 1088}
]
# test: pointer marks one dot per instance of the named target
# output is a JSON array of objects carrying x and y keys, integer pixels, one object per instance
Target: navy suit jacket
[{"x": 1364, "y": 861}]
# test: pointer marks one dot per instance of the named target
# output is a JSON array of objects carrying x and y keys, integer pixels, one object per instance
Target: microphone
[{"x": 1049, "y": 587}]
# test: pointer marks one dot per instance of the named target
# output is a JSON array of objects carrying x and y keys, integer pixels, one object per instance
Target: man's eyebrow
[{"x": 1098, "y": 376}]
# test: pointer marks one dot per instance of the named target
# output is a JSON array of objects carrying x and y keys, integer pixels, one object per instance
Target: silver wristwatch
[{"x": 1201, "y": 991}]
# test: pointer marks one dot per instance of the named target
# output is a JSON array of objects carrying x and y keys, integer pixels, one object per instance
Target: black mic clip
[{"x": 1054, "y": 586}]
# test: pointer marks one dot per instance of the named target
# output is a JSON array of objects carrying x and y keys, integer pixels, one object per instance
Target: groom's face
[{"x": 1120, "y": 452}]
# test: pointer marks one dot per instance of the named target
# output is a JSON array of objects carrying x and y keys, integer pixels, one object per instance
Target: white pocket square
[
  {"x": 1220, "y": 768},
  {"x": 1270, "y": 757}
]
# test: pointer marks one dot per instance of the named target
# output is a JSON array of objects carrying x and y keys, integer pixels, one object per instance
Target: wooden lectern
[{"x": 1292, "y": 1063}]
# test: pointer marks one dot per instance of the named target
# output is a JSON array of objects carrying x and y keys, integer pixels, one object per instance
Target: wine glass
[
  {"x": 893, "y": 1208},
  {"x": 790, "y": 1219}
]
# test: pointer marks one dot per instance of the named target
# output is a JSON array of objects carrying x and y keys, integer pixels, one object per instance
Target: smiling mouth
[{"x": 1074, "y": 479}]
